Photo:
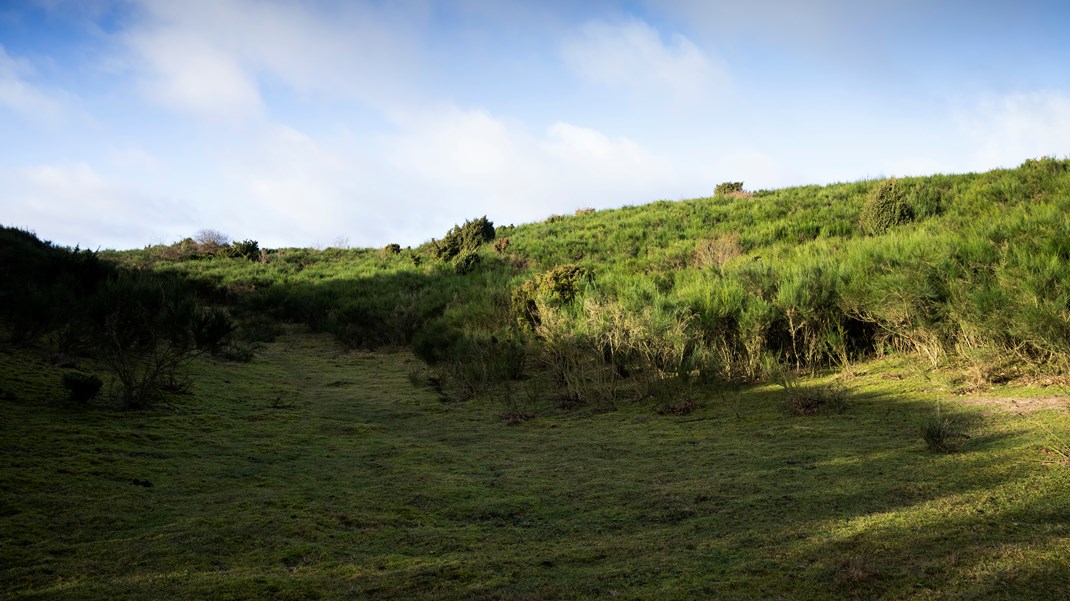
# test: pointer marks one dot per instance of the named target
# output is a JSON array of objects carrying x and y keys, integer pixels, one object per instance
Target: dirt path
[{"x": 1020, "y": 404}]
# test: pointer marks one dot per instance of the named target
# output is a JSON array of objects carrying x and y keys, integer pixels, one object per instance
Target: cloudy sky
[{"x": 317, "y": 123}]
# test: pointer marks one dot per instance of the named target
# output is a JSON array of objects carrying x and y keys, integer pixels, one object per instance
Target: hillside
[
  {"x": 972, "y": 275},
  {"x": 855, "y": 391}
]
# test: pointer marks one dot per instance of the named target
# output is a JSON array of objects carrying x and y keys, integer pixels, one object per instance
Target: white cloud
[
  {"x": 74, "y": 204},
  {"x": 215, "y": 57},
  {"x": 20, "y": 96},
  {"x": 473, "y": 163},
  {"x": 632, "y": 56},
  {"x": 1006, "y": 130},
  {"x": 191, "y": 74}
]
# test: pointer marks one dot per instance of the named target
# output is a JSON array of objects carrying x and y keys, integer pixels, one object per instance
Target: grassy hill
[{"x": 850, "y": 391}]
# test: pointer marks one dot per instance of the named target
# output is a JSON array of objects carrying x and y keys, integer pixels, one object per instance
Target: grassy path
[{"x": 315, "y": 472}]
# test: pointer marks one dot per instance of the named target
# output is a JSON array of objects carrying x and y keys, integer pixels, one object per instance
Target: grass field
[{"x": 320, "y": 472}]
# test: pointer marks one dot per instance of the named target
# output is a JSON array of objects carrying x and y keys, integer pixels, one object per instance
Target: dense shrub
[
  {"x": 147, "y": 328},
  {"x": 246, "y": 249},
  {"x": 81, "y": 387},
  {"x": 885, "y": 208},
  {"x": 559, "y": 285},
  {"x": 391, "y": 249},
  {"x": 466, "y": 365},
  {"x": 564, "y": 282},
  {"x": 728, "y": 189},
  {"x": 42, "y": 286},
  {"x": 463, "y": 238},
  {"x": 466, "y": 262}
]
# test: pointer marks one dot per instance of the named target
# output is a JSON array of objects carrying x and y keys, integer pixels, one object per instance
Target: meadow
[{"x": 855, "y": 391}]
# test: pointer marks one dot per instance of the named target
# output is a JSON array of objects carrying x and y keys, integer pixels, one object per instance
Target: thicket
[{"x": 143, "y": 326}]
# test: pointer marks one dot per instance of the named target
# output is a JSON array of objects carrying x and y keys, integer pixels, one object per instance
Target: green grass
[{"x": 320, "y": 472}]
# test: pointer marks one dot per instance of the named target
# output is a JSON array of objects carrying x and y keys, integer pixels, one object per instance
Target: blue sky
[{"x": 305, "y": 123}]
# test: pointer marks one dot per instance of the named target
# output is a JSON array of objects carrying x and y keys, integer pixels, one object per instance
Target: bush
[
  {"x": 500, "y": 245},
  {"x": 463, "y": 238},
  {"x": 810, "y": 400},
  {"x": 465, "y": 365},
  {"x": 885, "y": 208},
  {"x": 391, "y": 249},
  {"x": 564, "y": 282},
  {"x": 246, "y": 249},
  {"x": 466, "y": 262},
  {"x": 728, "y": 189},
  {"x": 147, "y": 328},
  {"x": 715, "y": 252},
  {"x": 81, "y": 387},
  {"x": 559, "y": 285}
]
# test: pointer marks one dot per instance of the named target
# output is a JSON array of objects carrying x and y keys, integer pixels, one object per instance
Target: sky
[{"x": 127, "y": 123}]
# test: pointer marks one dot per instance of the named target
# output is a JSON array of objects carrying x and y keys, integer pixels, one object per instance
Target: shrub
[
  {"x": 523, "y": 304},
  {"x": 942, "y": 434},
  {"x": 391, "y": 249},
  {"x": 465, "y": 365},
  {"x": 885, "y": 208},
  {"x": 466, "y": 262},
  {"x": 564, "y": 282},
  {"x": 246, "y": 249},
  {"x": 810, "y": 400},
  {"x": 500, "y": 245},
  {"x": 715, "y": 252},
  {"x": 586, "y": 211},
  {"x": 81, "y": 387},
  {"x": 728, "y": 189},
  {"x": 559, "y": 285},
  {"x": 463, "y": 238},
  {"x": 147, "y": 328}
]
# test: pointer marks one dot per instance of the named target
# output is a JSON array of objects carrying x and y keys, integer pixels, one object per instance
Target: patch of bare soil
[{"x": 1019, "y": 404}]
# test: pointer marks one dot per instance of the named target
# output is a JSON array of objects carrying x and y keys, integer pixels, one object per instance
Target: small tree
[
  {"x": 211, "y": 240},
  {"x": 147, "y": 329}
]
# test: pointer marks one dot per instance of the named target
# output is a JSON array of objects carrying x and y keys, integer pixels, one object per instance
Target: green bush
[
  {"x": 466, "y": 262},
  {"x": 391, "y": 249},
  {"x": 564, "y": 282},
  {"x": 463, "y": 238},
  {"x": 246, "y": 249},
  {"x": 559, "y": 285},
  {"x": 81, "y": 387},
  {"x": 728, "y": 189},
  {"x": 885, "y": 208}
]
